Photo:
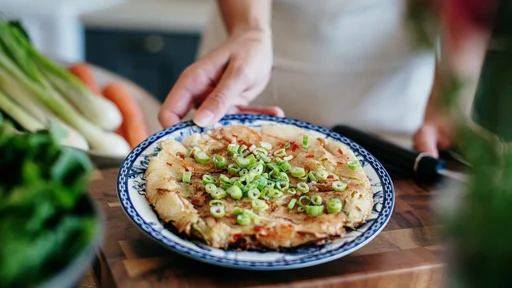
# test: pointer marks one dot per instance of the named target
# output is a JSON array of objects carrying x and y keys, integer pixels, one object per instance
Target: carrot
[
  {"x": 84, "y": 72},
  {"x": 133, "y": 119}
]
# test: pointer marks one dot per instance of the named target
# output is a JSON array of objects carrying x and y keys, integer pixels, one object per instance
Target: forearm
[{"x": 242, "y": 15}]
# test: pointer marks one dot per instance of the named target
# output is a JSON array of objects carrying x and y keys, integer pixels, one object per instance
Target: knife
[{"x": 403, "y": 161}]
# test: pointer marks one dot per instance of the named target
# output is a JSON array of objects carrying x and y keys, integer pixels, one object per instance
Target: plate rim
[{"x": 245, "y": 264}]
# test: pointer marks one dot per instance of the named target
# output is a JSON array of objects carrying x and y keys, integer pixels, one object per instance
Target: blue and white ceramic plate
[{"x": 131, "y": 189}]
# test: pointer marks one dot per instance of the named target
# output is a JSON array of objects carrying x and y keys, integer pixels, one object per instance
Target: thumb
[
  {"x": 425, "y": 140},
  {"x": 216, "y": 105}
]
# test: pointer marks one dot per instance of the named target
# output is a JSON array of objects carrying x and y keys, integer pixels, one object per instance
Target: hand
[
  {"x": 224, "y": 81},
  {"x": 434, "y": 134}
]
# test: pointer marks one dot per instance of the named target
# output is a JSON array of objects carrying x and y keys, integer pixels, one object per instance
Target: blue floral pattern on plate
[{"x": 131, "y": 190}]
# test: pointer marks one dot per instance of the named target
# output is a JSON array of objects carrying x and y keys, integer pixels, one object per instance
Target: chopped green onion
[
  {"x": 280, "y": 152},
  {"x": 258, "y": 169},
  {"x": 305, "y": 141},
  {"x": 243, "y": 172},
  {"x": 339, "y": 186},
  {"x": 237, "y": 211},
  {"x": 285, "y": 166},
  {"x": 271, "y": 184},
  {"x": 292, "y": 191},
  {"x": 334, "y": 205},
  {"x": 279, "y": 161},
  {"x": 224, "y": 179},
  {"x": 314, "y": 210},
  {"x": 271, "y": 192},
  {"x": 219, "y": 193},
  {"x": 191, "y": 151},
  {"x": 304, "y": 200},
  {"x": 252, "y": 148},
  {"x": 264, "y": 175},
  {"x": 292, "y": 203},
  {"x": 251, "y": 214},
  {"x": 207, "y": 179},
  {"x": 301, "y": 209},
  {"x": 233, "y": 169},
  {"x": 243, "y": 162},
  {"x": 260, "y": 151},
  {"x": 322, "y": 175},
  {"x": 254, "y": 193},
  {"x": 353, "y": 164},
  {"x": 217, "y": 211},
  {"x": 282, "y": 185},
  {"x": 264, "y": 158},
  {"x": 316, "y": 199},
  {"x": 232, "y": 148},
  {"x": 287, "y": 145},
  {"x": 262, "y": 182},
  {"x": 312, "y": 176},
  {"x": 216, "y": 203},
  {"x": 277, "y": 194},
  {"x": 235, "y": 192},
  {"x": 302, "y": 187},
  {"x": 201, "y": 157},
  {"x": 210, "y": 188},
  {"x": 264, "y": 192},
  {"x": 186, "y": 177},
  {"x": 225, "y": 186},
  {"x": 304, "y": 178},
  {"x": 242, "y": 149},
  {"x": 274, "y": 174},
  {"x": 243, "y": 219},
  {"x": 288, "y": 158},
  {"x": 283, "y": 176},
  {"x": 219, "y": 161},
  {"x": 266, "y": 145},
  {"x": 298, "y": 172}
]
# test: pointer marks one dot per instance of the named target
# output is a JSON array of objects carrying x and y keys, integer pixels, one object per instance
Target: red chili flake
[
  {"x": 169, "y": 164},
  {"x": 257, "y": 228},
  {"x": 330, "y": 177},
  {"x": 294, "y": 147},
  {"x": 234, "y": 135},
  {"x": 339, "y": 151},
  {"x": 195, "y": 201},
  {"x": 236, "y": 237},
  {"x": 310, "y": 156},
  {"x": 339, "y": 163},
  {"x": 241, "y": 142}
]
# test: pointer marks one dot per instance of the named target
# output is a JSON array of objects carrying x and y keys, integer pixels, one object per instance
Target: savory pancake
[{"x": 274, "y": 188}]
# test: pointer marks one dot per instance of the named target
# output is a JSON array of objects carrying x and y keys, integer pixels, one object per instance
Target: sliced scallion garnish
[
  {"x": 312, "y": 176},
  {"x": 322, "y": 175},
  {"x": 237, "y": 211},
  {"x": 210, "y": 188},
  {"x": 216, "y": 202},
  {"x": 305, "y": 141},
  {"x": 187, "y": 176},
  {"x": 291, "y": 204},
  {"x": 334, "y": 206},
  {"x": 265, "y": 145},
  {"x": 233, "y": 148},
  {"x": 304, "y": 200},
  {"x": 254, "y": 193},
  {"x": 302, "y": 187},
  {"x": 207, "y": 179},
  {"x": 314, "y": 210},
  {"x": 316, "y": 199},
  {"x": 234, "y": 169},
  {"x": 235, "y": 192},
  {"x": 219, "y": 161},
  {"x": 201, "y": 157},
  {"x": 280, "y": 152},
  {"x": 339, "y": 186},
  {"x": 298, "y": 172},
  {"x": 217, "y": 211},
  {"x": 353, "y": 164},
  {"x": 219, "y": 193},
  {"x": 285, "y": 166},
  {"x": 243, "y": 219}
]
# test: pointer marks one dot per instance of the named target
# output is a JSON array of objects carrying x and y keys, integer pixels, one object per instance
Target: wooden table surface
[{"x": 407, "y": 253}]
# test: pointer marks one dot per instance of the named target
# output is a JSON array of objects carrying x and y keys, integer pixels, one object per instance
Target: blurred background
[{"x": 147, "y": 41}]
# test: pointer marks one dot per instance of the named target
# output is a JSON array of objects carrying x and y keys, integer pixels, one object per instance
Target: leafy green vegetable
[{"x": 43, "y": 224}]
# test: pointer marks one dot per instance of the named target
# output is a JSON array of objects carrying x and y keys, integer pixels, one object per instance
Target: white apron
[{"x": 344, "y": 62}]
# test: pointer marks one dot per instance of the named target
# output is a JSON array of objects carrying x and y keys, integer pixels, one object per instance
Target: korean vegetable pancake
[{"x": 274, "y": 188}]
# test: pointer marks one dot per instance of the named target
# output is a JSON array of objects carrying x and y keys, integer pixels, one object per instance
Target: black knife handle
[{"x": 394, "y": 156}]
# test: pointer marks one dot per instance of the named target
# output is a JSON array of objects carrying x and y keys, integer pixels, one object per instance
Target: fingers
[
  {"x": 233, "y": 82},
  {"x": 426, "y": 139},
  {"x": 267, "y": 110},
  {"x": 194, "y": 82}
]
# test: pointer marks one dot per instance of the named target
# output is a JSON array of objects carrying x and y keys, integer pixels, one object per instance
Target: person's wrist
[{"x": 254, "y": 30}]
